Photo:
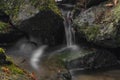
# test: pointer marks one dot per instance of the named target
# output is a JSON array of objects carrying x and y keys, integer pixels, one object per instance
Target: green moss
[
  {"x": 2, "y": 50},
  {"x": 11, "y": 7},
  {"x": 46, "y": 5},
  {"x": 91, "y": 32},
  {"x": 15, "y": 70},
  {"x": 116, "y": 11},
  {"x": 3, "y": 27}
]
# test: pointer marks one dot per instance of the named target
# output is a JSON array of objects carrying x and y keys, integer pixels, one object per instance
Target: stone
[{"x": 100, "y": 25}]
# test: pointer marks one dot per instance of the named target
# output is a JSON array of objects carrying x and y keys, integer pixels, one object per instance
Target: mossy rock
[
  {"x": 100, "y": 25},
  {"x": 33, "y": 17},
  {"x": 19, "y": 10}
]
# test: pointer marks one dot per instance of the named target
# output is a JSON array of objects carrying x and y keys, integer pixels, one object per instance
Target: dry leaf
[
  {"x": 115, "y": 2},
  {"x": 109, "y": 5},
  {"x": 32, "y": 76},
  {"x": 6, "y": 70}
]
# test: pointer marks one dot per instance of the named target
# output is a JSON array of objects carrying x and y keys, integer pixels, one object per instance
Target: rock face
[
  {"x": 40, "y": 20},
  {"x": 100, "y": 25},
  {"x": 97, "y": 59}
]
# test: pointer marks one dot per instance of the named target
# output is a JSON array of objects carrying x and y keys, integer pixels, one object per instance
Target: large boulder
[
  {"x": 41, "y": 20},
  {"x": 46, "y": 27},
  {"x": 100, "y": 25}
]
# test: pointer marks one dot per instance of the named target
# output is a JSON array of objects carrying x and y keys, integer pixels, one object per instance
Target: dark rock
[
  {"x": 46, "y": 27},
  {"x": 3, "y": 59},
  {"x": 88, "y": 3},
  {"x": 97, "y": 60},
  {"x": 64, "y": 76},
  {"x": 67, "y": 1}
]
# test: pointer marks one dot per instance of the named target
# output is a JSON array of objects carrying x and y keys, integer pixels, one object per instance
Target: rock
[
  {"x": 100, "y": 25},
  {"x": 37, "y": 17},
  {"x": 3, "y": 58},
  {"x": 64, "y": 76},
  {"x": 66, "y": 1},
  {"x": 99, "y": 59},
  {"x": 88, "y": 3},
  {"x": 47, "y": 25}
]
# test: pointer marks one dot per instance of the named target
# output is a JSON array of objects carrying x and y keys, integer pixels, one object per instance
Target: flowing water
[
  {"x": 31, "y": 55},
  {"x": 68, "y": 29}
]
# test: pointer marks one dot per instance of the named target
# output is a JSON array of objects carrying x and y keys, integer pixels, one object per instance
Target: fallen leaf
[
  {"x": 6, "y": 70},
  {"x": 115, "y": 2},
  {"x": 109, "y": 5},
  {"x": 32, "y": 76}
]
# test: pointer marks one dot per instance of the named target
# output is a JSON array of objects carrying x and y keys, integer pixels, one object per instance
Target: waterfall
[{"x": 69, "y": 32}]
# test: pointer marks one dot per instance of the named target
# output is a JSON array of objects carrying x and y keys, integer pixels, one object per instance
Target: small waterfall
[{"x": 70, "y": 37}]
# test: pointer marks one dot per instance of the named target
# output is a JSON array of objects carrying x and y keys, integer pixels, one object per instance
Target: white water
[
  {"x": 35, "y": 59},
  {"x": 70, "y": 37}
]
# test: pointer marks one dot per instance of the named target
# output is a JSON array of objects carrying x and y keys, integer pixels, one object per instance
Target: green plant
[
  {"x": 15, "y": 70},
  {"x": 3, "y": 27},
  {"x": 91, "y": 32},
  {"x": 2, "y": 50}
]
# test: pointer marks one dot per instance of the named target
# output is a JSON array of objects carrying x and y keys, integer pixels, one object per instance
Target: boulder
[
  {"x": 41, "y": 20},
  {"x": 100, "y": 25},
  {"x": 46, "y": 27}
]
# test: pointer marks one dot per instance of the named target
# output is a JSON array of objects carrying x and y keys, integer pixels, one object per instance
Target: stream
[{"x": 29, "y": 56}]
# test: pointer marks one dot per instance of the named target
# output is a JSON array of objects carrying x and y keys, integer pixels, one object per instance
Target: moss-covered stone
[
  {"x": 23, "y": 9},
  {"x": 46, "y": 5},
  {"x": 33, "y": 17},
  {"x": 100, "y": 24}
]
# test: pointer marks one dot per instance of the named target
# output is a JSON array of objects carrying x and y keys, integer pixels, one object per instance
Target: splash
[{"x": 35, "y": 59}]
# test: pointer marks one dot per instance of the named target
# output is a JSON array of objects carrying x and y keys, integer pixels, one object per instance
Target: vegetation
[
  {"x": 116, "y": 13},
  {"x": 92, "y": 32},
  {"x": 11, "y": 7},
  {"x": 2, "y": 50},
  {"x": 15, "y": 70},
  {"x": 3, "y": 27},
  {"x": 46, "y": 5}
]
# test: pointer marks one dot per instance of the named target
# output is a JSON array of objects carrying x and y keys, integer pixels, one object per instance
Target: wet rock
[
  {"x": 64, "y": 76},
  {"x": 100, "y": 25},
  {"x": 99, "y": 59}
]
